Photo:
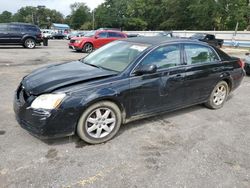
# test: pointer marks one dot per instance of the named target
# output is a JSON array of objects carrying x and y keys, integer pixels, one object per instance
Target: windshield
[
  {"x": 115, "y": 56},
  {"x": 90, "y": 34}
]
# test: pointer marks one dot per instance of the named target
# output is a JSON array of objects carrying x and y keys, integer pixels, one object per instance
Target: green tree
[
  {"x": 5, "y": 17},
  {"x": 42, "y": 16},
  {"x": 80, "y": 14}
]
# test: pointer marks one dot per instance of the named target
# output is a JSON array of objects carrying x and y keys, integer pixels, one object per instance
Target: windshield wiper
[{"x": 91, "y": 65}]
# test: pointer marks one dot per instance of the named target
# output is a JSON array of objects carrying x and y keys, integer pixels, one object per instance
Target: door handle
[
  {"x": 216, "y": 69},
  {"x": 179, "y": 77}
]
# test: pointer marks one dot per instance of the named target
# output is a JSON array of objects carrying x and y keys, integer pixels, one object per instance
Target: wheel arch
[
  {"x": 229, "y": 83},
  {"x": 112, "y": 100},
  {"x": 27, "y": 37},
  {"x": 86, "y": 42}
]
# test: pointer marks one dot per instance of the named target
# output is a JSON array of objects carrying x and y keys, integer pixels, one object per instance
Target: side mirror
[
  {"x": 97, "y": 37},
  {"x": 146, "y": 69}
]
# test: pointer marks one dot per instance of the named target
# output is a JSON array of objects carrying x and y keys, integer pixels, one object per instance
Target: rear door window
[
  {"x": 3, "y": 27},
  {"x": 103, "y": 35},
  {"x": 115, "y": 35},
  {"x": 30, "y": 28},
  {"x": 198, "y": 54},
  {"x": 14, "y": 28}
]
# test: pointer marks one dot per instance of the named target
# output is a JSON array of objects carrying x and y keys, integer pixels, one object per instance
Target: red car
[{"x": 94, "y": 40}]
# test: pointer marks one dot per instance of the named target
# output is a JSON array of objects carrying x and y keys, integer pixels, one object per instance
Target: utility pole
[{"x": 93, "y": 19}]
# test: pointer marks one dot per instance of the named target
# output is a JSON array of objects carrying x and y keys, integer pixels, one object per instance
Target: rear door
[
  {"x": 4, "y": 34},
  {"x": 15, "y": 33},
  {"x": 203, "y": 71},
  {"x": 115, "y": 36}
]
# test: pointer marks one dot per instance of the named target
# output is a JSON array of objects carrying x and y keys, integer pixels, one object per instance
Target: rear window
[
  {"x": 31, "y": 28},
  {"x": 14, "y": 28}
]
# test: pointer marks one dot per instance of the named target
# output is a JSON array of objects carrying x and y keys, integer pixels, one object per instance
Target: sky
[{"x": 59, "y": 5}]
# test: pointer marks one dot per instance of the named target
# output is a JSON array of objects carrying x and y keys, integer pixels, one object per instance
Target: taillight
[
  {"x": 39, "y": 35},
  {"x": 241, "y": 63}
]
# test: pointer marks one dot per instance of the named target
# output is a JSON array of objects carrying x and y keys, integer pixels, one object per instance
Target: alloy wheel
[
  {"x": 100, "y": 122},
  {"x": 30, "y": 43},
  {"x": 220, "y": 94}
]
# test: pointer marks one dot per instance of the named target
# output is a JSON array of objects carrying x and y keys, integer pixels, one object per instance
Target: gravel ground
[{"x": 193, "y": 147}]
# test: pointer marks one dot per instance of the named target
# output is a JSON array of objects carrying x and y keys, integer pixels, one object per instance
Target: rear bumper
[{"x": 237, "y": 78}]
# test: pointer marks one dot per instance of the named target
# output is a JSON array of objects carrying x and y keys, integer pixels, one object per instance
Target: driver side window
[
  {"x": 164, "y": 57},
  {"x": 103, "y": 35}
]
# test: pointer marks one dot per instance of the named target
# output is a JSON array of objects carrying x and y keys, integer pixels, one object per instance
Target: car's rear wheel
[
  {"x": 30, "y": 43},
  {"x": 218, "y": 96},
  {"x": 88, "y": 48},
  {"x": 99, "y": 123}
]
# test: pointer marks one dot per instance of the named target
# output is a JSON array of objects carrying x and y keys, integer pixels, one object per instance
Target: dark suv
[{"x": 24, "y": 34}]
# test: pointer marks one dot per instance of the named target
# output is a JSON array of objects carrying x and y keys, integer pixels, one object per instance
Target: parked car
[
  {"x": 165, "y": 34},
  {"x": 47, "y": 33},
  {"x": 123, "y": 81},
  {"x": 133, "y": 35},
  {"x": 247, "y": 63},
  {"x": 58, "y": 35},
  {"x": 75, "y": 34},
  {"x": 208, "y": 38},
  {"x": 24, "y": 34},
  {"x": 94, "y": 40}
]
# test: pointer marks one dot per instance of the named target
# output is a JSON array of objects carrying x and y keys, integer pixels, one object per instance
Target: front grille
[{"x": 72, "y": 41}]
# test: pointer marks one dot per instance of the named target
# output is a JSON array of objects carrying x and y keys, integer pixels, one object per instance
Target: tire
[
  {"x": 99, "y": 123},
  {"x": 30, "y": 43},
  {"x": 88, "y": 48},
  {"x": 218, "y": 96}
]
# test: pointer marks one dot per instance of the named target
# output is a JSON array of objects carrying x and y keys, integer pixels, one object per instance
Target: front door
[
  {"x": 4, "y": 34},
  {"x": 101, "y": 39},
  {"x": 162, "y": 90}
]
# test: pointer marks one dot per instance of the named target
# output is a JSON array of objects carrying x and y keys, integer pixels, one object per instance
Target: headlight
[
  {"x": 48, "y": 101},
  {"x": 77, "y": 41}
]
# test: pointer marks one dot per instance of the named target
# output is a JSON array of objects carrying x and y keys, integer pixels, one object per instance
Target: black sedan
[{"x": 123, "y": 81}]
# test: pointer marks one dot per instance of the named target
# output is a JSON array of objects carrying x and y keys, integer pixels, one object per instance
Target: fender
[{"x": 27, "y": 36}]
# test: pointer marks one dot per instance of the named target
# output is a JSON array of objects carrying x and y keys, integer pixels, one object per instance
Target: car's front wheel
[
  {"x": 88, "y": 48},
  {"x": 218, "y": 96},
  {"x": 99, "y": 123},
  {"x": 30, "y": 43}
]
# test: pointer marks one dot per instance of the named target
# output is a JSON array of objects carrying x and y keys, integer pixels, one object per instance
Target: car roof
[
  {"x": 157, "y": 40},
  {"x": 18, "y": 23}
]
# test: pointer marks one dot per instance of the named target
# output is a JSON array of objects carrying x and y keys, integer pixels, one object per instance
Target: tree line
[{"x": 143, "y": 15}]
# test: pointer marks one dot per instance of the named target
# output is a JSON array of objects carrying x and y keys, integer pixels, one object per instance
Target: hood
[
  {"x": 77, "y": 38},
  {"x": 49, "y": 78}
]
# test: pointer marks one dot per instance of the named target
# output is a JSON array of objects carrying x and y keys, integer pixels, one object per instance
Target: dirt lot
[{"x": 193, "y": 147}]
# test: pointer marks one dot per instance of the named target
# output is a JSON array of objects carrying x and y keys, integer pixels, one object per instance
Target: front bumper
[
  {"x": 74, "y": 46},
  {"x": 44, "y": 123}
]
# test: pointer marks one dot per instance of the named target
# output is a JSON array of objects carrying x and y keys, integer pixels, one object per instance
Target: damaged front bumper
[{"x": 44, "y": 123}]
